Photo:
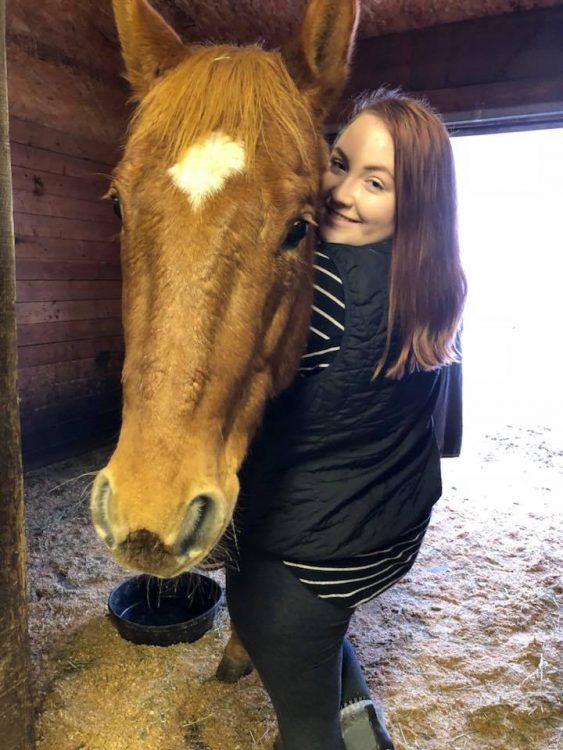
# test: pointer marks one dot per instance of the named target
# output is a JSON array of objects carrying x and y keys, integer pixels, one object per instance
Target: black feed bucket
[{"x": 160, "y": 612}]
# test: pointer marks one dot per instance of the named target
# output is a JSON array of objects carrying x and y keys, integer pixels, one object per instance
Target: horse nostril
[
  {"x": 199, "y": 518},
  {"x": 101, "y": 498}
]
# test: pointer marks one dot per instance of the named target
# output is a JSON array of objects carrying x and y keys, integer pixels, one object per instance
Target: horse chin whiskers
[{"x": 144, "y": 551}]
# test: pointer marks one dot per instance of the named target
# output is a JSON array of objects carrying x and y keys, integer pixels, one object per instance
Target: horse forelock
[{"x": 243, "y": 93}]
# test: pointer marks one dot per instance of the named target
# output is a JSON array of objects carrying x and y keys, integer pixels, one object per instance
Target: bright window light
[{"x": 510, "y": 190}]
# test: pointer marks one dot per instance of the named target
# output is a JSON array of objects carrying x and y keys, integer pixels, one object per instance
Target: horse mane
[{"x": 235, "y": 90}]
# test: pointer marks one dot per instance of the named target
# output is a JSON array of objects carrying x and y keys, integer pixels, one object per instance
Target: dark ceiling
[{"x": 274, "y": 21}]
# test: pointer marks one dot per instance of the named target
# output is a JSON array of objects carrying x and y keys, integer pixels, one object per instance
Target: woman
[{"x": 338, "y": 489}]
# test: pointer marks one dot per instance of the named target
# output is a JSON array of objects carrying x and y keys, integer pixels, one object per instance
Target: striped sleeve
[
  {"x": 357, "y": 580},
  {"x": 327, "y": 319}
]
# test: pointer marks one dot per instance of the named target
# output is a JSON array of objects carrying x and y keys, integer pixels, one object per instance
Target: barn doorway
[{"x": 511, "y": 234}]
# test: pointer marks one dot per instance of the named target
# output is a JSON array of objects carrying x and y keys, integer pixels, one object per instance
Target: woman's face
[{"x": 358, "y": 187}]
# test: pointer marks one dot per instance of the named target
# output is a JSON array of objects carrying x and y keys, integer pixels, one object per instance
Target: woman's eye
[
  {"x": 375, "y": 184},
  {"x": 116, "y": 204},
  {"x": 295, "y": 234},
  {"x": 336, "y": 165}
]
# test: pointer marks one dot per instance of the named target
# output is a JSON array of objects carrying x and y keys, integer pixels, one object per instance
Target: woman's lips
[{"x": 335, "y": 217}]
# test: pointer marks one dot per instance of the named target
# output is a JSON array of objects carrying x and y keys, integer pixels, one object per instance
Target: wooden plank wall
[
  {"x": 68, "y": 107},
  {"x": 70, "y": 346},
  {"x": 500, "y": 69}
]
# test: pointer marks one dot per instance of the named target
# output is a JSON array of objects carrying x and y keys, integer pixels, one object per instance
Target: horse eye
[
  {"x": 296, "y": 232},
  {"x": 116, "y": 205}
]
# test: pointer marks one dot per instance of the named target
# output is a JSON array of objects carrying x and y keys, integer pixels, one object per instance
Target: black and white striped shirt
[
  {"x": 356, "y": 580},
  {"x": 327, "y": 319}
]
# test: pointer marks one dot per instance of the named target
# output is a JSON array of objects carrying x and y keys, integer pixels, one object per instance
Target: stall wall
[
  {"x": 498, "y": 69},
  {"x": 68, "y": 112}
]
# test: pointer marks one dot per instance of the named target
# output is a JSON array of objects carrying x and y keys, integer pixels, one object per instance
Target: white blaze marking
[{"x": 205, "y": 167}]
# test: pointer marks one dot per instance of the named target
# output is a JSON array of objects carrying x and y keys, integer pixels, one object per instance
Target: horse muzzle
[{"x": 158, "y": 543}]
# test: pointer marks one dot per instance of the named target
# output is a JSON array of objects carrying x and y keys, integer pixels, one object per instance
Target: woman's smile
[{"x": 334, "y": 217}]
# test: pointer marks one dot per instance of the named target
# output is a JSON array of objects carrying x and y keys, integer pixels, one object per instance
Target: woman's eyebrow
[
  {"x": 340, "y": 153},
  {"x": 369, "y": 168},
  {"x": 379, "y": 168}
]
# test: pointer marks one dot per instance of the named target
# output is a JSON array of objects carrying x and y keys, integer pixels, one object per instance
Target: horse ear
[
  {"x": 319, "y": 58},
  {"x": 149, "y": 45}
]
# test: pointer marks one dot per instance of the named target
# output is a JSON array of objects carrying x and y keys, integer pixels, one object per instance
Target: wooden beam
[{"x": 16, "y": 709}]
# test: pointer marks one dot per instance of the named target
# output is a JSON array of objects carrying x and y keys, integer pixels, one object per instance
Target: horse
[{"x": 217, "y": 190}]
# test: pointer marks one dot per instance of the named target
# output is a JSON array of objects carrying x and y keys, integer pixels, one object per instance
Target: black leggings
[{"x": 296, "y": 642}]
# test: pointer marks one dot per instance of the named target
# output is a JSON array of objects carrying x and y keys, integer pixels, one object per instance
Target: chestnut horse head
[{"x": 217, "y": 188}]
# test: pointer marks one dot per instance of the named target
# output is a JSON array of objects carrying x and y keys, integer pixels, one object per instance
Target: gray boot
[{"x": 363, "y": 727}]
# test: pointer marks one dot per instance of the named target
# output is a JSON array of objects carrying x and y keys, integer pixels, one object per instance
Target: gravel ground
[{"x": 465, "y": 652}]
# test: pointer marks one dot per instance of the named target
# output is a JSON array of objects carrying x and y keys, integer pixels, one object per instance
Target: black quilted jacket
[{"x": 342, "y": 464}]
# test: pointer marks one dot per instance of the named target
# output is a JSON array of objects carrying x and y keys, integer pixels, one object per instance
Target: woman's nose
[{"x": 343, "y": 192}]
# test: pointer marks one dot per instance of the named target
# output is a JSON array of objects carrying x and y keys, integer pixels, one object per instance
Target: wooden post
[{"x": 16, "y": 709}]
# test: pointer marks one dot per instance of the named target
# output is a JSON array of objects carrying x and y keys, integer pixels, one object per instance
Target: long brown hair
[{"x": 427, "y": 286}]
